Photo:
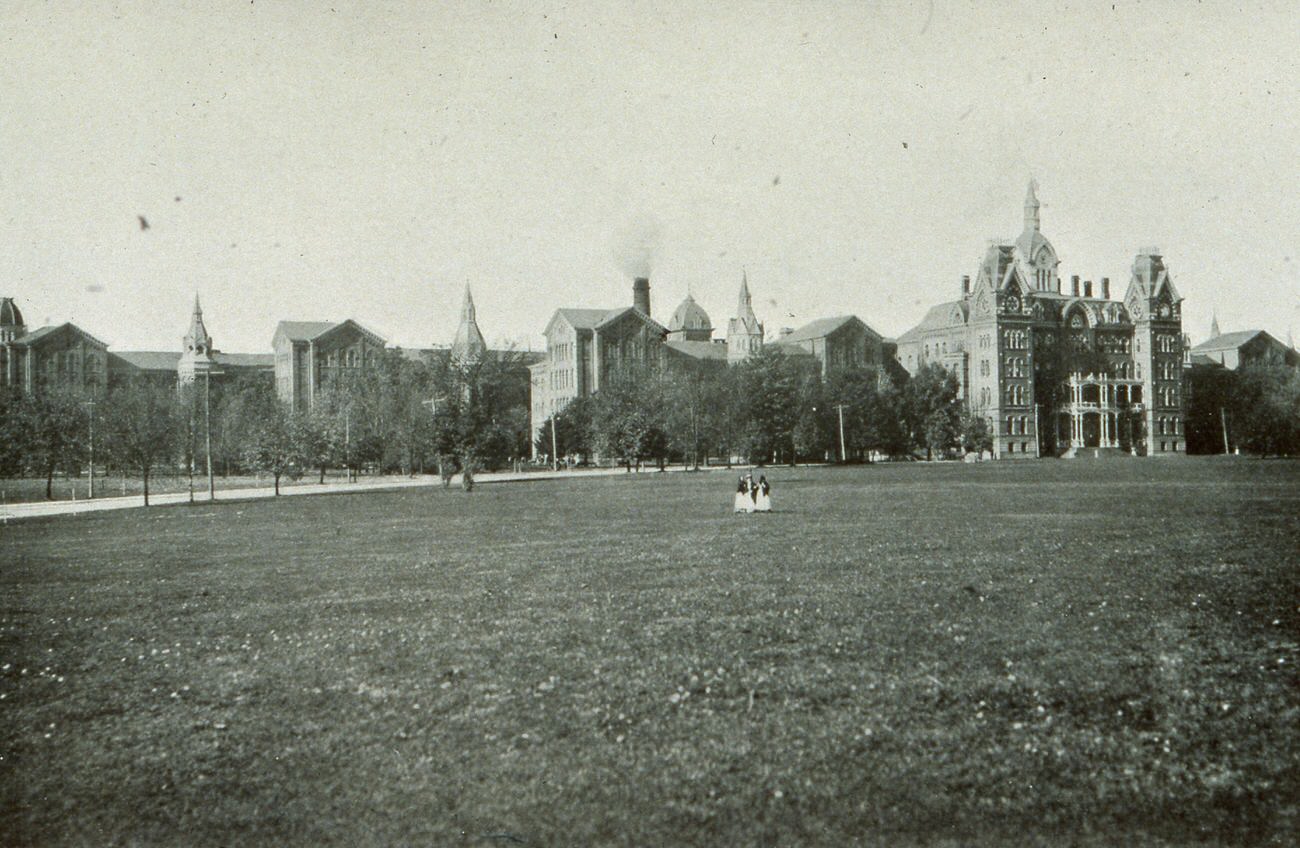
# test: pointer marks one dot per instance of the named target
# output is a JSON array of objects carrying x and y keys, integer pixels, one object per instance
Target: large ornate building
[
  {"x": 585, "y": 346},
  {"x": 1018, "y": 312}
]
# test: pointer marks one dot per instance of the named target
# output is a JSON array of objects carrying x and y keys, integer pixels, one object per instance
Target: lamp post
[
  {"x": 91, "y": 403},
  {"x": 843, "y": 451},
  {"x": 432, "y": 403}
]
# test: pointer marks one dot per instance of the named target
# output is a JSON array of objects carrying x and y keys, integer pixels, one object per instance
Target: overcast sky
[{"x": 320, "y": 161}]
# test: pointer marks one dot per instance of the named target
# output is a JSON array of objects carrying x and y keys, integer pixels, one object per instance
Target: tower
[
  {"x": 744, "y": 332},
  {"x": 1155, "y": 308},
  {"x": 469, "y": 346},
  {"x": 690, "y": 323},
  {"x": 1214, "y": 326},
  {"x": 196, "y": 351}
]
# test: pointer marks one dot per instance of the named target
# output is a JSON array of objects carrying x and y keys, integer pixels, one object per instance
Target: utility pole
[
  {"x": 843, "y": 452},
  {"x": 555, "y": 453},
  {"x": 432, "y": 403},
  {"x": 1038, "y": 437},
  {"x": 347, "y": 441},
  {"x": 91, "y": 403},
  {"x": 1223, "y": 421}
]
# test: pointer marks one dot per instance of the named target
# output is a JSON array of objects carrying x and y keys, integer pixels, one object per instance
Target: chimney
[
  {"x": 1105, "y": 288},
  {"x": 641, "y": 294},
  {"x": 965, "y": 283},
  {"x": 784, "y": 331},
  {"x": 1074, "y": 284},
  {"x": 1087, "y": 288}
]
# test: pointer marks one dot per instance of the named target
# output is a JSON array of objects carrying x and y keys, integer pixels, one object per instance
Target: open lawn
[{"x": 1088, "y": 652}]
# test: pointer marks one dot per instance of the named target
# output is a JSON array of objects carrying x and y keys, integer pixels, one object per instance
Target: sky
[{"x": 332, "y": 160}]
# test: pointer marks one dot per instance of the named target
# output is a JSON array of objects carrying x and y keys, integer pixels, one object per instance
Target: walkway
[{"x": 36, "y": 509}]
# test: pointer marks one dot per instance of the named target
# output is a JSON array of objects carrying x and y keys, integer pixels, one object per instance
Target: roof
[
  {"x": 303, "y": 331},
  {"x": 1200, "y": 359},
  {"x": 618, "y": 314},
  {"x": 820, "y": 328},
  {"x": 10, "y": 314},
  {"x": 1227, "y": 341},
  {"x": 584, "y": 319},
  {"x": 40, "y": 333},
  {"x": 148, "y": 360},
  {"x": 245, "y": 360},
  {"x": 936, "y": 318},
  {"x": 699, "y": 349},
  {"x": 689, "y": 315}
]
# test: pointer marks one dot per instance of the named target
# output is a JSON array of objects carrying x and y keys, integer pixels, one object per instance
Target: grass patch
[{"x": 1039, "y": 653}]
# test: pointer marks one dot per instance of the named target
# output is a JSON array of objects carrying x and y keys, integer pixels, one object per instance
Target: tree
[
  {"x": 276, "y": 444},
  {"x": 141, "y": 425},
  {"x": 976, "y": 436},
  {"x": 49, "y": 430},
  {"x": 1208, "y": 397},
  {"x": 932, "y": 410},
  {"x": 1267, "y": 409}
]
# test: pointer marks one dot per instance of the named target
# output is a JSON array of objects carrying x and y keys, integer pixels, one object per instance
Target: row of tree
[
  {"x": 401, "y": 415},
  {"x": 1255, "y": 409},
  {"x": 772, "y": 408}
]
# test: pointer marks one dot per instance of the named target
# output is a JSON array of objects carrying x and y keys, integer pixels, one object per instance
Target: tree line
[
  {"x": 413, "y": 416},
  {"x": 402, "y": 415}
]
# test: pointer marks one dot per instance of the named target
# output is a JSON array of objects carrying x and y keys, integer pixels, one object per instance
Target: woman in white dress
[
  {"x": 743, "y": 502},
  {"x": 763, "y": 503}
]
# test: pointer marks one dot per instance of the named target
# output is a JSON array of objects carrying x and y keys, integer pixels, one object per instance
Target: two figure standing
[{"x": 753, "y": 496}]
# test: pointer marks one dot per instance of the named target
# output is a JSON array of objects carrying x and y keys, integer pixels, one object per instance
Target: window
[
  {"x": 1011, "y": 447},
  {"x": 1024, "y": 447}
]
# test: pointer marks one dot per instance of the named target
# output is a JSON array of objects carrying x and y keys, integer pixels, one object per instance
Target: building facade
[
  {"x": 311, "y": 357},
  {"x": 1018, "y": 323}
]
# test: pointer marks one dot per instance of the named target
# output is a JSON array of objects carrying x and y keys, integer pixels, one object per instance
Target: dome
[
  {"x": 9, "y": 314},
  {"x": 689, "y": 316}
]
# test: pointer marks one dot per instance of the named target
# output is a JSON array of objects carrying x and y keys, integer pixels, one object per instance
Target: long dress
[
  {"x": 743, "y": 502},
  {"x": 764, "y": 501}
]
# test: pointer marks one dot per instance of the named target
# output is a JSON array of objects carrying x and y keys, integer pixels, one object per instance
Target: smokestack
[
  {"x": 1087, "y": 288},
  {"x": 1074, "y": 284},
  {"x": 965, "y": 283},
  {"x": 1105, "y": 288},
  {"x": 641, "y": 294}
]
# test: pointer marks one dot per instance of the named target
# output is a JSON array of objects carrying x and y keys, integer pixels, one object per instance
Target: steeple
[
  {"x": 1031, "y": 207},
  {"x": 196, "y": 354},
  {"x": 469, "y": 345},
  {"x": 744, "y": 332},
  {"x": 1214, "y": 326},
  {"x": 197, "y": 341}
]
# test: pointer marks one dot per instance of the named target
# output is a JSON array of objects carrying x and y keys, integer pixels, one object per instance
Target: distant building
[
  {"x": 842, "y": 342},
  {"x": 1018, "y": 309},
  {"x": 313, "y": 356},
  {"x": 585, "y": 346},
  {"x": 1233, "y": 350}
]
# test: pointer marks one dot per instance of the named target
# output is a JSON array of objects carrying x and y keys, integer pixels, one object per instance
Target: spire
[
  {"x": 1031, "y": 206},
  {"x": 746, "y": 302},
  {"x": 469, "y": 344},
  {"x": 197, "y": 340},
  {"x": 1214, "y": 326}
]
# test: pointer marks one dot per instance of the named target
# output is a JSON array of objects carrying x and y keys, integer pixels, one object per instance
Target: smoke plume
[{"x": 637, "y": 244}]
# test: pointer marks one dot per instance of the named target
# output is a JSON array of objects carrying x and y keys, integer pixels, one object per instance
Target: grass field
[{"x": 1044, "y": 653}]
